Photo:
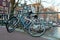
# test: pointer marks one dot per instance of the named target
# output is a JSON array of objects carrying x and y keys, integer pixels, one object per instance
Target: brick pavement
[{"x": 4, "y": 35}]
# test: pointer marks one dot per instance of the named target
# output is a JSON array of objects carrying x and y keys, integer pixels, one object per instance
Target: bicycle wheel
[
  {"x": 36, "y": 29},
  {"x": 11, "y": 24}
]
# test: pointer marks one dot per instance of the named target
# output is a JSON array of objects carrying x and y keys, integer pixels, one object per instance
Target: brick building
[{"x": 4, "y": 9}]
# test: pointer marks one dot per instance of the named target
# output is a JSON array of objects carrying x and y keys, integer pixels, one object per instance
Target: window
[
  {"x": 4, "y": 3},
  {"x": 1, "y": 17},
  {"x": 8, "y": 0},
  {"x": 6, "y": 9},
  {"x": 4, "y": 0}
]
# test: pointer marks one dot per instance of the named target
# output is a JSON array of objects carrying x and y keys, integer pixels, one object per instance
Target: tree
[{"x": 13, "y": 6}]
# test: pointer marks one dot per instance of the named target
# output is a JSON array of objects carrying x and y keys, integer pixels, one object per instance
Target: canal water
[{"x": 53, "y": 33}]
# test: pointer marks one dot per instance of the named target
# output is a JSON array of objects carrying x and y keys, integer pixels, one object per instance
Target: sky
[
  {"x": 51, "y": 2},
  {"x": 45, "y": 3}
]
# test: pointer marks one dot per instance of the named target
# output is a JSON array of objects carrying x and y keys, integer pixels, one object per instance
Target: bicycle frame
[{"x": 23, "y": 21}]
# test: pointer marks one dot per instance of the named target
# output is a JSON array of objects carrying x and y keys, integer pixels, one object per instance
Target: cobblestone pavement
[
  {"x": 4, "y": 35},
  {"x": 51, "y": 34}
]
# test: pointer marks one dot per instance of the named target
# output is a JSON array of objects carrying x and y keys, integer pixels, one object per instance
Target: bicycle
[{"x": 30, "y": 25}]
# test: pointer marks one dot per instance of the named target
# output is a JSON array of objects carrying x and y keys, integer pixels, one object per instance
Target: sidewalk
[
  {"x": 51, "y": 34},
  {"x": 4, "y": 35}
]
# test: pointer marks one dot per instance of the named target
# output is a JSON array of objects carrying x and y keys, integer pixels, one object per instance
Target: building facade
[{"x": 4, "y": 9}]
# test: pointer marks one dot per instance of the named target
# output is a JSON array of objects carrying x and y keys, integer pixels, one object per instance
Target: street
[
  {"x": 4, "y": 35},
  {"x": 51, "y": 34}
]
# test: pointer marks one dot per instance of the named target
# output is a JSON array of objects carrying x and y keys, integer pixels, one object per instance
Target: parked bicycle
[{"x": 31, "y": 25}]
